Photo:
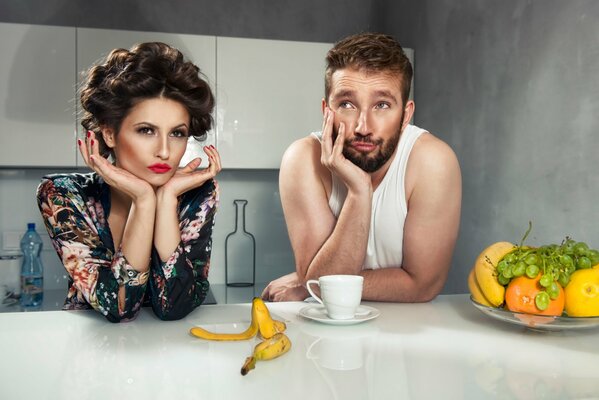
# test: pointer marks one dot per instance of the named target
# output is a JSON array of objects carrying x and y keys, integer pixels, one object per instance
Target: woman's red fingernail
[
  {"x": 92, "y": 142},
  {"x": 89, "y": 133},
  {"x": 79, "y": 142}
]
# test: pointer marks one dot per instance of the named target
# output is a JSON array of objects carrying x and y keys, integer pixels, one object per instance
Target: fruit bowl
[{"x": 536, "y": 321}]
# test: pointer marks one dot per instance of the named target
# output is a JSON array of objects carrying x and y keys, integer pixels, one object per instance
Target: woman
[{"x": 137, "y": 226}]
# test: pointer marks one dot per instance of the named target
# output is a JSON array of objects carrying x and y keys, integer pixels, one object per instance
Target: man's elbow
[
  {"x": 427, "y": 296},
  {"x": 428, "y": 292}
]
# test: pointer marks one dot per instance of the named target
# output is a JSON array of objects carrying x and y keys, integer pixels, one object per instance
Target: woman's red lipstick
[{"x": 159, "y": 168}]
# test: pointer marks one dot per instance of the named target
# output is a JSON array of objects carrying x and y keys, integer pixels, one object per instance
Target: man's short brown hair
[{"x": 372, "y": 52}]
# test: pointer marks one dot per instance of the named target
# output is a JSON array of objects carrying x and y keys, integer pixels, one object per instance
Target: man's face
[{"x": 370, "y": 106}]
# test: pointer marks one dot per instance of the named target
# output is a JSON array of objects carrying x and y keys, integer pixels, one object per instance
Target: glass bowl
[{"x": 536, "y": 321}]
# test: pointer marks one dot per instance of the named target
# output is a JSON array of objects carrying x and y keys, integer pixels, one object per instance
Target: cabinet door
[
  {"x": 268, "y": 94},
  {"x": 37, "y": 88},
  {"x": 93, "y": 45}
]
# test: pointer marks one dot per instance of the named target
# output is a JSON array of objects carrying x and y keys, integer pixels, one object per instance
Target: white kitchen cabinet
[
  {"x": 93, "y": 45},
  {"x": 37, "y": 87},
  {"x": 268, "y": 94}
]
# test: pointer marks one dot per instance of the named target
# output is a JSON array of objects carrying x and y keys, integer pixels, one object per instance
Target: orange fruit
[
  {"x": 520, "y": 297},
  {"x": 582, "y": 293}
]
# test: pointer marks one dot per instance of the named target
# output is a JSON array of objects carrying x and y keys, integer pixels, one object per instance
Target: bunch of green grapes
[{"x": 555, "y": 262}]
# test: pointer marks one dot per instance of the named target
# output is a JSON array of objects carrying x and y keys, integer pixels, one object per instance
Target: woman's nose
[{"x": 163, "y": 151}]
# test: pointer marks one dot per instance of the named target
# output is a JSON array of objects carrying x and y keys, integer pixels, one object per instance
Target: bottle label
[
  {"x": 32, "y": 284},
  {"x": 32, "y": 291}
]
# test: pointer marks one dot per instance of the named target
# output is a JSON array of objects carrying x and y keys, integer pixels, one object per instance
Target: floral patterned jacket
[{"x": 75, "y": 209}]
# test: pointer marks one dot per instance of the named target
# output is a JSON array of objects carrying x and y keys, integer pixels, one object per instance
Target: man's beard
[{"x": 371, "y": 163}]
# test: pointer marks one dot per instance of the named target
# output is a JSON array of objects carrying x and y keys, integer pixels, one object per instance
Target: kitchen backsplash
[{"x": 264, "y": 219}]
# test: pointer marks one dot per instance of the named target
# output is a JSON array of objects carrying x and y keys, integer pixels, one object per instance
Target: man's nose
[{"x": 363, "y": 124}]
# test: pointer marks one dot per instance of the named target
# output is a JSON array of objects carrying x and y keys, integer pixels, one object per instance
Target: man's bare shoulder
[
  {"x": 431, "y": 161},
  {"x": 432, "y": 154},
  {"x": 303, "y": 157},
  {"x": 301, "y": 148}
]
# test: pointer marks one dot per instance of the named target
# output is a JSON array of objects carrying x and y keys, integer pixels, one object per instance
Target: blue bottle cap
[{"x": 31, "y": 226}]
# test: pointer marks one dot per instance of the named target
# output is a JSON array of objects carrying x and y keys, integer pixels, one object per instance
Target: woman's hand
[
  {"x": 116, "y": 177},
  {"x": 188, "y": 178}
]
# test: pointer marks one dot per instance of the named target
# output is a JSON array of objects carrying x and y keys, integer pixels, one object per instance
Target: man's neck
[{"x": 378, "y": 175}]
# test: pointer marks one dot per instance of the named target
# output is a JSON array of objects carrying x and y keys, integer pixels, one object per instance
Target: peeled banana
[
  {"x": 261, "y": 321},
  {"x": 271, "y": 348}
]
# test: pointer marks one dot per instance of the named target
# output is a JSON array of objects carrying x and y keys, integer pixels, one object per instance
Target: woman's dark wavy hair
[{"x": 148, "y": 70}]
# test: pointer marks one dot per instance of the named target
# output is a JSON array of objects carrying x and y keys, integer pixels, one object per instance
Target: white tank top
[{"x": 389, "y": 206}]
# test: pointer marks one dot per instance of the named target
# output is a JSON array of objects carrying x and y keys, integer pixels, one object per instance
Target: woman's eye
[
  {"x": 179, "y": 134},
  {"x": 145, "y": 130}
]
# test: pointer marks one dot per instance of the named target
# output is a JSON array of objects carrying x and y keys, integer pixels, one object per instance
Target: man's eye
[
  {"x": 345, "y": 104},
  {"x": 382, "y": 105}
]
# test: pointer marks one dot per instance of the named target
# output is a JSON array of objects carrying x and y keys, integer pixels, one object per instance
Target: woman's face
[{"x": 152, "y": 140}]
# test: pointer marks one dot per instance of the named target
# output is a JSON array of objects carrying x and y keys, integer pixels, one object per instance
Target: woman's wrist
[
  {"x": 145, "y": 201},
  {"x": 164, "y": 197}
]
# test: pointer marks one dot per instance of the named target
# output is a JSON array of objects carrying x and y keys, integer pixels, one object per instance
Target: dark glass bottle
[{"x": 240, "y": 251}]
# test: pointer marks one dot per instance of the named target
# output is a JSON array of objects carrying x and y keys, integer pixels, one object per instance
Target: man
[{"x": 371, "y": 195}]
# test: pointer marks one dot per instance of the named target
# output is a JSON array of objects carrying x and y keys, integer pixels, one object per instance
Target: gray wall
[
  {"x": 513, "y": 87},
  {"x": 303, "y": 20}
]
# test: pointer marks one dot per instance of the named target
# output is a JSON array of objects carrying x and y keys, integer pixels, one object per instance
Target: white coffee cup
[{"x": 341, "y": 294}]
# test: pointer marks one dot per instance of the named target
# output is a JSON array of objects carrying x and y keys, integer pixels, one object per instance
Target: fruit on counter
[
  {"x": 485, "y": 273},
  {"x": 582, "y": 293},
  {"x": 527, "y": 295},
  {"x": 268, "y": 326},
  {"x": 550, "y": 266},
  {"x": 261, "y": 322},
  {"x": 268, "y": 349},
  {"x": 476, "y": 291},
  {"x": 249, "y": 333}
]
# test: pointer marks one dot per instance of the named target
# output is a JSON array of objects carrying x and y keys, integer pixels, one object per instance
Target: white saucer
[{"x": 317, "y": 312}]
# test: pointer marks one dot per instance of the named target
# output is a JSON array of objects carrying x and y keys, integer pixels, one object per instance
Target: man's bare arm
[
  {"x": 430, "y": 230},
  {"x": 322, "y": 245}
]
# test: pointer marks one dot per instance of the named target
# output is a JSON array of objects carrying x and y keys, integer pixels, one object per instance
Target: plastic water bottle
[{"x": 32, "y": 270}]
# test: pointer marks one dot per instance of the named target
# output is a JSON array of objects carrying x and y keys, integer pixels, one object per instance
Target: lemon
[{"x": 582, "y": 293}]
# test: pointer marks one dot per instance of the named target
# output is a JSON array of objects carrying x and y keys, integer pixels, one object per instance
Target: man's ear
[
  {"x": 323, "y": 105},
  {"x": 109, "y": 137},
  {"x": 408, "y": 113}
]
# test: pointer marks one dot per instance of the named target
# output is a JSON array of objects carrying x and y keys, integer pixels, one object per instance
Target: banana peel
[
  {"x": 268, "y": 349},
  {"x": 267, "y": 326},
  {"x": 261, "y": 322},
  {"x": 485, "y": 273},
  {"x": 249, "y": 333}
]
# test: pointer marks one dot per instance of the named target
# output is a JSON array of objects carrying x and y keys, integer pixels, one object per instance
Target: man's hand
[
  {"x": 333, "y": 159},
  {"x": 285, "y": 288}
]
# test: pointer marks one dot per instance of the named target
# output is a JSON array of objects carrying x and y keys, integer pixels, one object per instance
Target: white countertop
[{"x": 445, "y": 349}]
